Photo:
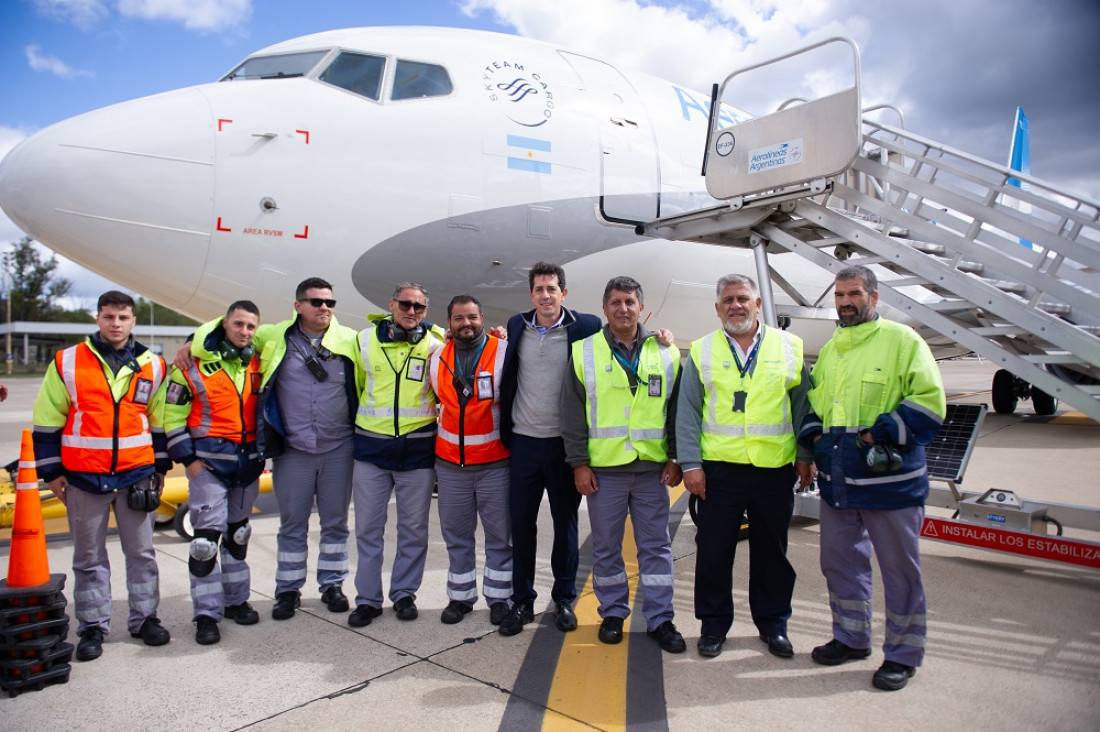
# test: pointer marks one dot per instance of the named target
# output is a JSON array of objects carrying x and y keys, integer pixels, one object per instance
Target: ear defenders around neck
[
  {"x": 229, "y": 352},
  {"x": 401, "y": 335}
]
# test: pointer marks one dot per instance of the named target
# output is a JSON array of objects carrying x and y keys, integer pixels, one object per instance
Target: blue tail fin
[{"x": 1019, "y": 158}]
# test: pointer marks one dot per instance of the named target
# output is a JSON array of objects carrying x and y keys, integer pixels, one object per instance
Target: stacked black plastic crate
[{"x": 33, "y": 628}]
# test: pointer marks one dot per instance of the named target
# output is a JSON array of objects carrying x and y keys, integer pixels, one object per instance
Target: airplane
[{"x": 374, "y": 156}]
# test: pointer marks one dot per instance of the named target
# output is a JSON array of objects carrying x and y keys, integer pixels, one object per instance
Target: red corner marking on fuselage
[
  {"x": 304, "y": 132},
  {"x": 223, "y": 121},
  {"x": 220, "y": 227},
  {"x": 303, "y": 235}
]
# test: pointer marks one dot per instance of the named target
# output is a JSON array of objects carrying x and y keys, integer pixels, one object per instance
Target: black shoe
[
  {"x": 711, "y": 645},
  {"x": 362, "y": 615},
  {"x": 566, "y": 619},
  {"x": 206, "y": 631},
  {"x": 335, "y": 600},
  {"x": 405, "y": 608},
  {"x": 285, "y": 605},
  {"x": 454, "y": 612},
  {"x": 243, "y": 614},
  {"x": 670, "y": 639},
  {"x": 835, "y": 653},
  {"x": 90, "y": 646},
  {"x": 611, "y": 630},
  {"x": 497, "y": 612},
  {"x": 520, "y": 615},
  {"x": 779, "y": 645},
  {"x": 151, "y": 632},
  {"x": 892, "y": 676}
]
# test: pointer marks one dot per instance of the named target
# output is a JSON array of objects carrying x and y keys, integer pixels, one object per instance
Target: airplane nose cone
[{"x": 125, "y": 191}]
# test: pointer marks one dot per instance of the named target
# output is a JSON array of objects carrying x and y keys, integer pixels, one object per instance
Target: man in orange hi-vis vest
[
  {"x": 99, "y": 444},
  {"x": 472, "y": 463},
  {"x": 210, "y": 419}
]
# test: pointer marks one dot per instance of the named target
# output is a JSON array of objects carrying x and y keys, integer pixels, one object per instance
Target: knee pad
[
  {"x": 236, "y": 539},
  {"x": 203, "y": 552}
]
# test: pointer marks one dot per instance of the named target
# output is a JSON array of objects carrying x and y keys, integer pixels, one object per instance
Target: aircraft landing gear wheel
[
  {"x": 182, "y": 522},
  {"x": 1004, "y": 392},
  {"x": 1044, "y": 404}
]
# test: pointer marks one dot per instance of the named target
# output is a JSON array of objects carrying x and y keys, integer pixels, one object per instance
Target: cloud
[
  {"x": 52, "y": 64},
  {"x": 957, "y": 70},
  {"x": 196, "y": 15},
  {"x": 82, "y": 13}
]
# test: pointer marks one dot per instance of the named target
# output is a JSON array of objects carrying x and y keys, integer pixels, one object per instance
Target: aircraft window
[
  {"x": 282, "y": 66},
  {"x": 415, "y": 80},
  {"x": 356, "y": 73}
]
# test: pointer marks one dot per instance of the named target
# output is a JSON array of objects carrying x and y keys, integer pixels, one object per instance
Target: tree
[
  {"x": 161, "y": 314},
  {"x": 34, "y": 290}
]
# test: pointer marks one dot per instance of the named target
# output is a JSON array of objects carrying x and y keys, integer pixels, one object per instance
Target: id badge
[
  {"x": 415, "y": 371},
  {"x": 142, "y": 391},
  {"x": 655, "y": 385},
  {"x": 484, "y": 387},
  {"x": 177, "y": 394},
  {"x": 739, "y": 401}
]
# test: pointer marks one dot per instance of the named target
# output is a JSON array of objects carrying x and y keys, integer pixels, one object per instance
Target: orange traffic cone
[{"x": 28, "y": 565}]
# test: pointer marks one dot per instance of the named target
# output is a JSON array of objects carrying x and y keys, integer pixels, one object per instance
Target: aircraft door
[{"x": 630, "y": 180}]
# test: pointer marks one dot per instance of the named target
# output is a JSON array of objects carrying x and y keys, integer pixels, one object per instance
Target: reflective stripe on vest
[
  {"x": 623, "y": 426},
  {"x": 763, "y": 433},
  {"x": 469, "y": 434},
  {"x": 93, "y": 440},
  {"x": 393, "y": 404},
  {"x": 219, "y": 409}
]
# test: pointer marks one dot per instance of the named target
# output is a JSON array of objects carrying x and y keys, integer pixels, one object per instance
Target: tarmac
[{"x": 1013, "y": 642}]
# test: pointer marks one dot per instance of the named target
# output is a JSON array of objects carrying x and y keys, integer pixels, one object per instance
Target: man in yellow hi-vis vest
[
  {"x": 616, "y": 423},
  {"x": 743, "y": 391}
]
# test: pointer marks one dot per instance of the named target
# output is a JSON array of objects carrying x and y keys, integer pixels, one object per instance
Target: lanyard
[{"x": 748, "y": 359}]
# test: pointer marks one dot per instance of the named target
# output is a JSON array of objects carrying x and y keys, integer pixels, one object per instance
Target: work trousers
[
  {"x": 299, "y": 479},
  {"x": 213, "y": 507},
  {"x": 847, "y": 536},
  {"x": 88, "y": 515},
  {"x": 463, "y": 496},
  {"x": 767, "y": 496},
  {"x": 645, "y": 499},
  {"x": 373, "y": 487},
  {"x": 538, "y": 464}
]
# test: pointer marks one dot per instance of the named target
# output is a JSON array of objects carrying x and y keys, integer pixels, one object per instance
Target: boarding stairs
[{"x": 1010, "y": 272}]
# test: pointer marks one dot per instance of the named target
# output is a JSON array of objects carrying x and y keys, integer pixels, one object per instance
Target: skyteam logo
[{"x": 519, "y": 92}]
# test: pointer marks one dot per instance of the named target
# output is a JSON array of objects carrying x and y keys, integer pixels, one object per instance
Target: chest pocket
[{"x": 872, "y": 392}]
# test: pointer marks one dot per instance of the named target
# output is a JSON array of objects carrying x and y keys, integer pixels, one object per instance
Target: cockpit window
[
  {"x": 414, "y": 80},
  {"x": 356, "y": 73},
  {"x": 282, "y": 66}
]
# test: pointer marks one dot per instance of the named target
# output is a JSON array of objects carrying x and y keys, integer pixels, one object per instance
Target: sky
[{"x": 956, "y": 68}]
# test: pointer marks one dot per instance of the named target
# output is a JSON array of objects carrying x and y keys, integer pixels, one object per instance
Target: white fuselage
[{"x": 242, "y": 188}]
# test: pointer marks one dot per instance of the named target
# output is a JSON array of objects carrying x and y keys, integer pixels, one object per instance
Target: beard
[
  {"x": 854, "y": 316},
  {"x": 741, "y": 328},
  {"x": 466, "y": 335}
]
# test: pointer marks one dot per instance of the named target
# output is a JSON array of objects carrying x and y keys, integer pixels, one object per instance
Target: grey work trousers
[
  {"x": 299, "y": 479},
  {"x": 372, "y": 488},
  {"x": 213, "y": 507},
  {"x": 463, "y": 496},
  {"x": 645, "y": 499},
  {"x": 88, "y": 515},
  {"x": 847, "y": 536}
]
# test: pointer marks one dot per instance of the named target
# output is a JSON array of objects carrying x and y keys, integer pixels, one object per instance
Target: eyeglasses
[
  {"x": 407, "y": 305},
  {"x": 319, "y": 301}
]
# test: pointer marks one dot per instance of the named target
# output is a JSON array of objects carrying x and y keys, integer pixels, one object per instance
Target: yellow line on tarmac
[{"x": 590, "y": 680}]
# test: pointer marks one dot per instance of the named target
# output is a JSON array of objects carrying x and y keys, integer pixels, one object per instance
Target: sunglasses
[
  {"x": 319, "y": 301},
  {"x": 407, "y": 305}
]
